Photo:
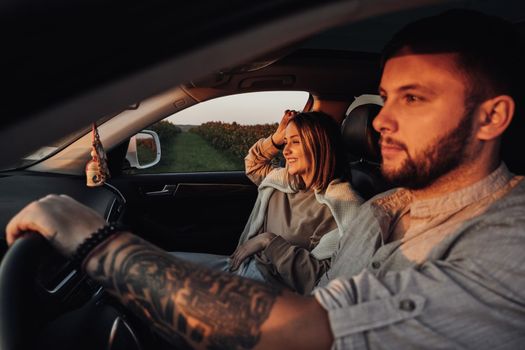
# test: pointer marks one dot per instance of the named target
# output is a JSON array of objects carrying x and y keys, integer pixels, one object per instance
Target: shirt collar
[
  {"x": 396, "y": 201},
  {"x": 459, "y": 199}
]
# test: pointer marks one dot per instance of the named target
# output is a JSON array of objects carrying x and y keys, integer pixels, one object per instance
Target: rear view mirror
[{"x": 144, "y": 150}]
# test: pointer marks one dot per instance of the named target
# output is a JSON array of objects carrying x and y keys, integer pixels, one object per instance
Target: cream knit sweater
[{"x": 339, "y": 197}]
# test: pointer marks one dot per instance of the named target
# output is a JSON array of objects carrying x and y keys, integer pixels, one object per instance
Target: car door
[{"x": 198, "y": 198}]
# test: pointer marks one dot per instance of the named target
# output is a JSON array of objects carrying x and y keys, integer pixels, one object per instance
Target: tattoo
[{"x": 188, "y": 304}]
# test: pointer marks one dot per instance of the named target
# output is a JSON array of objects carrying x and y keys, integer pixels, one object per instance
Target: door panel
[{"x": 200, "y": 212}]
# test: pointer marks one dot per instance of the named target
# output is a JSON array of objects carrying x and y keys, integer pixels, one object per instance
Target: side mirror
[{"x": 144, "y": 150}]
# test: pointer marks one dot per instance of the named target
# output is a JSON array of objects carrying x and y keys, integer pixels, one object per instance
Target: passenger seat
[{"x": 361, "y": 144}]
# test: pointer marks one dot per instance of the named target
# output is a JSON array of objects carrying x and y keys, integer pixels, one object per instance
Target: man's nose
[{"x": 384, "y": 120}]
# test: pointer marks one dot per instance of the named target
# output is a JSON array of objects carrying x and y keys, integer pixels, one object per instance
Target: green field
[{"x": 188, "y": 152}]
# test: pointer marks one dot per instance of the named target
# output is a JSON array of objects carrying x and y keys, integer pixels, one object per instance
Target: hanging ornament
[{"x": 97, "y": 171}]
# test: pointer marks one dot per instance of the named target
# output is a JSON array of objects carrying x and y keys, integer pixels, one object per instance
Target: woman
[{"x": 301, "y": 210}]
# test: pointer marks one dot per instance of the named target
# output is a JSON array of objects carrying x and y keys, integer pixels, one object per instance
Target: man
[{"x": 436, "y": 263}]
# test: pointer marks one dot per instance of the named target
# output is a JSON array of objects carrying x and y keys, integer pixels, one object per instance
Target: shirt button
[
  {"x": 407, "y": 305},
  {"x": 376, "y": 264}
]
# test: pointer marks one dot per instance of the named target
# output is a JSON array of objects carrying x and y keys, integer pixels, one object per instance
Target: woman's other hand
[
  {"x": 250, "y": 247},
  {"x": 62, "y": 220},
  {"x": 278, "y": 135}
]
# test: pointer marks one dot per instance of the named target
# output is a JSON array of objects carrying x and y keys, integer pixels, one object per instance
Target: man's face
[{"x": 424, "y": 125}]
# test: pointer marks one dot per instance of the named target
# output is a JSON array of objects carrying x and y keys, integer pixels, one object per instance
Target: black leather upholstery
[
  {"x": 514, "y": 142},
  {"x": 361, "y": 143},
  {"x": 359, "y": 137}
]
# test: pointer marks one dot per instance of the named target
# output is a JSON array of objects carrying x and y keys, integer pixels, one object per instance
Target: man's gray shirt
[{"x": 455, "y": 280}]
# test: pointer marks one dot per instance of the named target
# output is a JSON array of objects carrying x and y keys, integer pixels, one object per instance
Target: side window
[{"x": 215, "y": 135}]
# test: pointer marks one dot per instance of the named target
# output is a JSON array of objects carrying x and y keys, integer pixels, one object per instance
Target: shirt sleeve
[
  {"x": 473, "y": 298},
  {"x": 293, "y": 266},
  {"x": 258, "y": 162}
]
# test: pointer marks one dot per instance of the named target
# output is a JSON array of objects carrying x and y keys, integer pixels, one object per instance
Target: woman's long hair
[{"x": 320, "y": 136}]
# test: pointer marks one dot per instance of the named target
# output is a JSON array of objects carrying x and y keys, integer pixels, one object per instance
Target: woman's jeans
[{"x": 247, "y": 269}]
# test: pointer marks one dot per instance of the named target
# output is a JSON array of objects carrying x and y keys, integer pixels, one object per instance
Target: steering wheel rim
[{"x": 17, "y": 290}]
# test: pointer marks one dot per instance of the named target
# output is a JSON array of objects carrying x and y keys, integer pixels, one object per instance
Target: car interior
[{"x": 188, "y": 211}]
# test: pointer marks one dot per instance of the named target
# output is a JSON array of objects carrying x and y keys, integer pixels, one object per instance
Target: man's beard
[{"x": 439, "y": 158}]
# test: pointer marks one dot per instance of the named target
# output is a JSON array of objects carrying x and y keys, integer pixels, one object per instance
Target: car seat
[
  {"x": 361, "y": 145},
  {"x": 513, "y": 141}
]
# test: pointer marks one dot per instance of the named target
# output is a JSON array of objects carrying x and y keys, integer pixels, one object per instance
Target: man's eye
[{"x": 412, "y": 99}]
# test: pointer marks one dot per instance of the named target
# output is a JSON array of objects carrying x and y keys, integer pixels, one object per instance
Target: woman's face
[{"x": 297, "y": 161}]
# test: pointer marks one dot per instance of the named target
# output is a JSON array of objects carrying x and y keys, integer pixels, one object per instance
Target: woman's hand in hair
[
  {"x": 250, "y": 247},
  {"x": 278, "y": 135}
]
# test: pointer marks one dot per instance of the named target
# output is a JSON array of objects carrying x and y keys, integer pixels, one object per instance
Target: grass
[
  {"x": 188, "y": 152},
  {"x": 145, "y": 154}
]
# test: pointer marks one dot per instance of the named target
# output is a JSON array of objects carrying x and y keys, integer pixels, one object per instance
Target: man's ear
[{"x": 495, "y": 116}]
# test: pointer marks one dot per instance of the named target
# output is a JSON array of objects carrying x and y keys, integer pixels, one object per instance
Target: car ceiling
[
  {"x": 326, "y": 74},
  {"x": 338, "y": 63},
  {"x": 67, "y": 64}
]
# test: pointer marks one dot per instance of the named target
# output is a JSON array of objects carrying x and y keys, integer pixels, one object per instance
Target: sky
[{"x": 248, "y": 109}]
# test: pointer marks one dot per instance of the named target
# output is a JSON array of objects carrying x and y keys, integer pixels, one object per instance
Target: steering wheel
[
  {"x": 23, "y": 314},
  {"x": 19, "y": 317}
]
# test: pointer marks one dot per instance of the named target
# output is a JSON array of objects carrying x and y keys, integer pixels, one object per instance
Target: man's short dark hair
[{"x": 489, "y": 49}]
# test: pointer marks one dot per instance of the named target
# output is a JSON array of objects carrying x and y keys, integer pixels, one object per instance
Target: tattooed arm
[
  {"x": 199, "y": 307},
  {"x": 190, "y": 306}
]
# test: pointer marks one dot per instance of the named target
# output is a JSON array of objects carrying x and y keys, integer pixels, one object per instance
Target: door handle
[{"x": 167, "y": 190}]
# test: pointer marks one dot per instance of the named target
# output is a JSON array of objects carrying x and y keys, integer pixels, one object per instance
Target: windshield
[{"x": 46, "y": 151}]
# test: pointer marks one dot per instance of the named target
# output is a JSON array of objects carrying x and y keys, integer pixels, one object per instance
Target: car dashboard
[
  {"x": 17, "y": 189},
  {"x": 61, "y": 288}
]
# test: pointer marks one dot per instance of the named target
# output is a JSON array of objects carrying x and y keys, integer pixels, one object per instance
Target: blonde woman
[{"x": 302, "y": 209}]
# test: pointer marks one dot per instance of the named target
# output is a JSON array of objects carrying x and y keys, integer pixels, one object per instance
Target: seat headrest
[
  {"x": 513, "y": 141},
  {"x": 359, "y": 137}
]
